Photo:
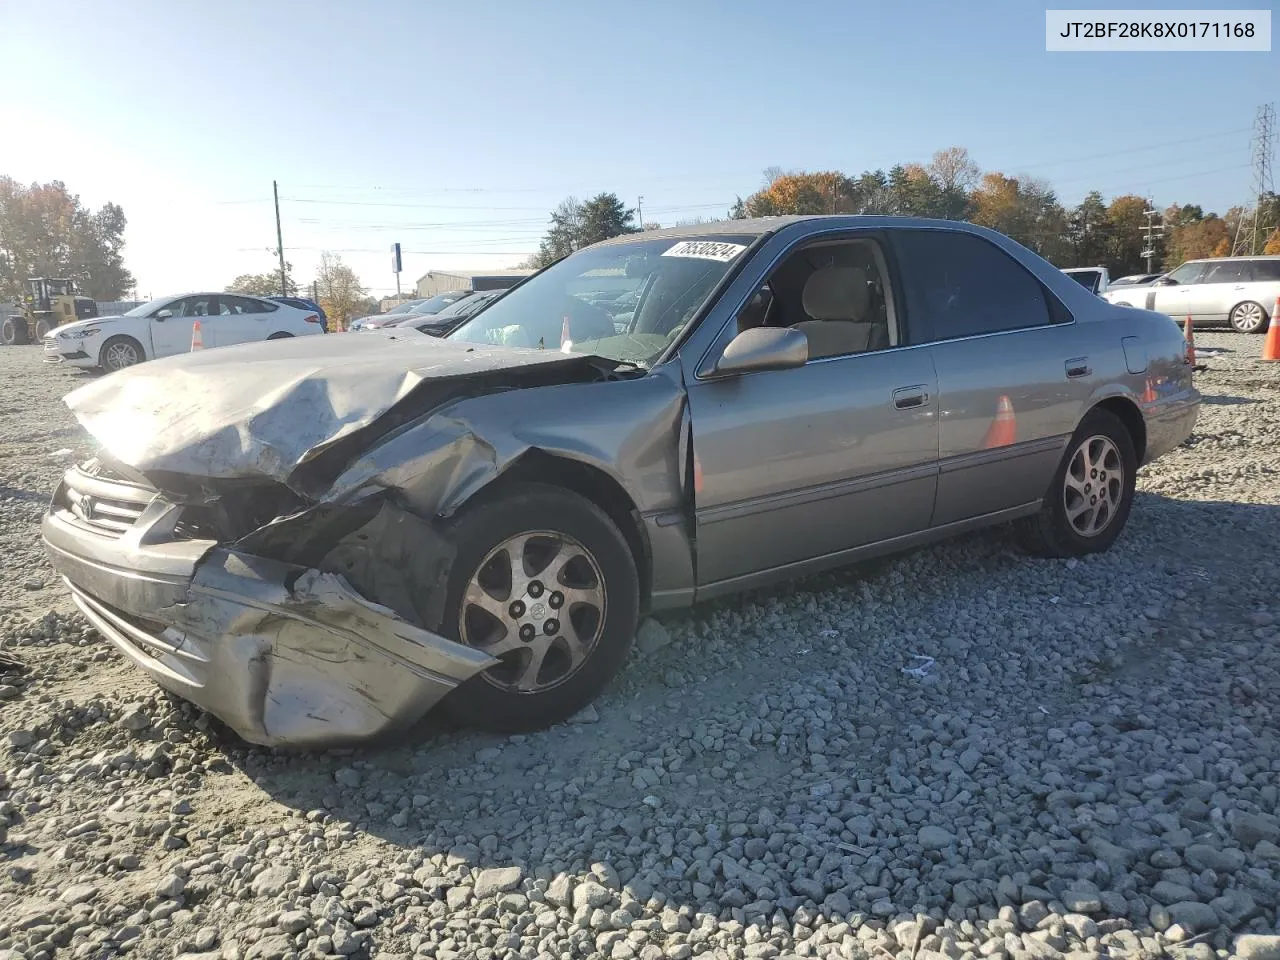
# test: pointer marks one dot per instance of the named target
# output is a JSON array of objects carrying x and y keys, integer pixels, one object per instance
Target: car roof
[
  {"x": 1249, "y": 256},
  {"x": 759, "y": 226}
]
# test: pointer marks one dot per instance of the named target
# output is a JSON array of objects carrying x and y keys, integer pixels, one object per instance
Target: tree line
[{"x": 951, "y": 186}]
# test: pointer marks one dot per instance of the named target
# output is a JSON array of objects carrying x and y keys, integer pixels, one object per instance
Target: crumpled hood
[{"x": 262, "y": 410}]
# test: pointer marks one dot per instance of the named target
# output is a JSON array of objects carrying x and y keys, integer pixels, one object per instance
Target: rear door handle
[
  {"x": 1078, "y": 367},
  {"x": 904, "y": 398}
]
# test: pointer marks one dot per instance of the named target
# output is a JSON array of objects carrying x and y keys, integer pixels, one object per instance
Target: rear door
[
  {"x": 1224, "y": 284},
  {"x": 1011, "y": 377},
  {"x": 240, "y": 320}
]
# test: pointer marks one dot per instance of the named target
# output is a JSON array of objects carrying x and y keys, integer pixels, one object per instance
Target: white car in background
[{"x": 163, "y": 327}]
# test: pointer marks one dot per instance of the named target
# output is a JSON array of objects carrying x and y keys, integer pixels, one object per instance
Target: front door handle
[
  {"x": 904, "y": 398},
  {"x": 1079, "y": 367}
]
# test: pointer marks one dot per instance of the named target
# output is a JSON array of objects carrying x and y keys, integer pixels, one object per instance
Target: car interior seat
[{"x": 837, "y": 301}]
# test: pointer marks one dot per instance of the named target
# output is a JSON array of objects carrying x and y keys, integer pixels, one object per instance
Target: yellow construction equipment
[{"x": 47, "y": 305}]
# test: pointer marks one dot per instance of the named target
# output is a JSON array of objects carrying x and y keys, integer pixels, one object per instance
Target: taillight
[{"x": 312, "y": 318}]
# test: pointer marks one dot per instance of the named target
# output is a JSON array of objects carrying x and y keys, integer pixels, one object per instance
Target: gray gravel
[{"x": 1090, "y": 767}]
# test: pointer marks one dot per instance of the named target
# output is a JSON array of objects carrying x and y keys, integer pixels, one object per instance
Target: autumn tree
[
  {"x": 802, "y": 193},
  {"x": 1024, "y": 209},
  {"x": 265, "y": 284},
  {"x": 1273, "y": 244},
  {"x": 1190, "y": 234},
  {"x": 45, "y": 231},
  {"x": 341, "y": 293},
  {"x": 1126, "y": 218}
]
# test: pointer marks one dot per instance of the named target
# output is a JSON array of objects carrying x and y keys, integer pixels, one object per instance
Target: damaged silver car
[{"x": 320, "y": 539}]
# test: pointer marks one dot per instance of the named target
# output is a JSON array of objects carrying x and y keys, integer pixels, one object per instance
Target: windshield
[
  {"x": 623, "y": 301},
  {"x": 1086, "y": 278},
  {"x": 405, "y": 307},
  {"x": 146, "y": 308},
  {"x": 439, "y": 301}
]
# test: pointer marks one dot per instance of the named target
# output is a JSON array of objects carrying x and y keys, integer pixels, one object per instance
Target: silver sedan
[{"x": 320, "y": 545}]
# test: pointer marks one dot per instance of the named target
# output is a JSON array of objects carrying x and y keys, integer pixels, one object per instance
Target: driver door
[
  {"x": 1178, "y": 299},
  {"x": 807, "y": 463},
  {"x": 172, "y": 334}
]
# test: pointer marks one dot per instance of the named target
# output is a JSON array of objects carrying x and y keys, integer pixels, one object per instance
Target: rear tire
[
  {"x": 13, "y": 332},
  {"x": 43, "y": 329},
  {"x": 1089, "y": 500},
  {"x": 561, "y": 635},
  {"x": 1248, "y": 317},
  {"x": 120, "y": 352}
]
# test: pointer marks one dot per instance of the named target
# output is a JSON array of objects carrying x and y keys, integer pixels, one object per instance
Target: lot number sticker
[{"x": 705, "y": 250}]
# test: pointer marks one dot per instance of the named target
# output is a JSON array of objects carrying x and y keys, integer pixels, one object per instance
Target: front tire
[
  {"x": 13, "y": 331},
  {"x": 1089, "y": 500},
  {"x": 1248, "y": 317},
  {"x": 120, "y": 352},
  {"x": 546, "y": 582}
]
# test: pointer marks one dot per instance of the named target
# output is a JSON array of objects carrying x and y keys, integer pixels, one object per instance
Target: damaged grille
[{"x": 101, "y": 500}]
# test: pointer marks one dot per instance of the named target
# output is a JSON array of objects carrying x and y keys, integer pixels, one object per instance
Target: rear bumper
[
  {"x": 284, "y": 655},
  {"x": 1171, "y": 422}
]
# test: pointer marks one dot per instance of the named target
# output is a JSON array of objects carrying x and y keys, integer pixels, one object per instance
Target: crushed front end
[{"x": 284, "y": 653}]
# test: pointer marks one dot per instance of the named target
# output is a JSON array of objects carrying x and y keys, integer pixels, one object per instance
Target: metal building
[{"x": 441, "y": 281}]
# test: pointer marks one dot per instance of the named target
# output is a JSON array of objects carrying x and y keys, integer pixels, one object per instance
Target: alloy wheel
[
  {"x": 1093, "y": 486},
  {"x": 537, "y": 603}
]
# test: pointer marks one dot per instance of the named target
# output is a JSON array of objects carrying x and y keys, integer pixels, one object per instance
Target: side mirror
[
  {"x": 763, "y": 348},
  {"x": 163, "y": 314},
  {"x": 1166, "y": 281}
]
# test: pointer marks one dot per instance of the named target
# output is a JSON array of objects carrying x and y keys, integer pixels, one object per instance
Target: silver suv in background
[{"x": 1240, "y": 291}]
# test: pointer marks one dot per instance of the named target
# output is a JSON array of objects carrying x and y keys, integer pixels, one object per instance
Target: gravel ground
[{"x": 1090, "y": 768}]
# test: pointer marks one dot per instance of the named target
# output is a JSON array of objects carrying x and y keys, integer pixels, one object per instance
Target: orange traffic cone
[
  {"x": 1149, "y": 394},
  {"x": 1271, "y": 346},
  {"x": 1189, "y": 335},
  {"x": 1003, "y": 430},
  {"x": 197, "y": 339}
]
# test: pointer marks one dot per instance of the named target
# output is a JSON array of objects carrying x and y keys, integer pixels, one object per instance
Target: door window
[
  {"x": 837, "y": 294},
  {"x": 967, "y": 286},
  {"x": 1228, "y": 271},
  {"x": 1187, "y": 273},
  {"x": 231, "y": 305},
  {"x": 197, "y": 306},
  {"x": 1266, "y": 269}
]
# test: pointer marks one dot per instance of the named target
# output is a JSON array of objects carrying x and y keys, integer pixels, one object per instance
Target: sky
[{"x": 455, "y": 128}]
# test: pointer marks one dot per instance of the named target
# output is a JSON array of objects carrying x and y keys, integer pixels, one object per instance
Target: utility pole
[
  {"x": 1251, "y": 231},
  {"x": 640, "y": 210},
  {"x": 1151, "y": 233},
  {"x": 284, "y": 283}
]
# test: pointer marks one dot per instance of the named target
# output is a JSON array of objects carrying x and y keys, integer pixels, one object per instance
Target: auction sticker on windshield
[{"x": 705, "y": 250}]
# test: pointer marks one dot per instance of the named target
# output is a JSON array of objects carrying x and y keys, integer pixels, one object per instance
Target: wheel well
[
  {"x": 602, "y": 490},
  {"x": 280, "y": 335},
  {"x": 142, "y": 351},
  {"x": 1131, "y": 417}
]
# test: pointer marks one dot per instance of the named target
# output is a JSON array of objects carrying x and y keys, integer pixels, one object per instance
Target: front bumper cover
[{"x": 284, "y": 655}]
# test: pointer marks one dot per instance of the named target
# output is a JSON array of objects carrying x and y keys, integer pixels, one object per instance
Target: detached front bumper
[{"x": 284, "y": 655}]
